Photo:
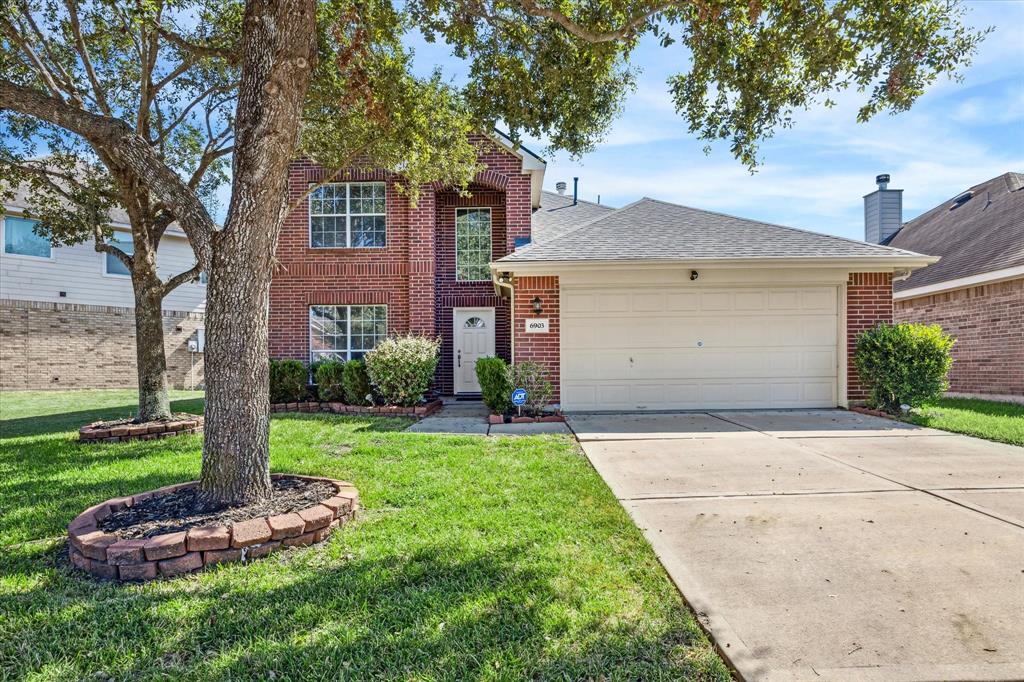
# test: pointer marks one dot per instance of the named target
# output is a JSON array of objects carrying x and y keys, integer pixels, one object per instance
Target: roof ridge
[
  {"x": 582, "y": 201},
  {"x": 573, "y": 229},
  {"x": 762, "y": 222}
]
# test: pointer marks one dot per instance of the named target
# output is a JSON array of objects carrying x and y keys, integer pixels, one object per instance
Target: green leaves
[{"x": 904, "y": 364}]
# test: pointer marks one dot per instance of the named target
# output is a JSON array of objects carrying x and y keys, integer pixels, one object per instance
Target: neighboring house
[
  {"x": 67, "y": 313},
  {"x": 651, "y": 306},
  {"x": 976, "y": 292}
]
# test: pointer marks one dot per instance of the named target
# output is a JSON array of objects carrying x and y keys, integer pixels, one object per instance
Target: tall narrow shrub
[
  {"x": 329, "y": 377},
  {"x": 287, "y": 381},
  {"x": 495, "y": 384}
]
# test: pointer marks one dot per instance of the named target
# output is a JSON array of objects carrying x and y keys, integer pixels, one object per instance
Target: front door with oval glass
[{"x": 474, "y": 339}]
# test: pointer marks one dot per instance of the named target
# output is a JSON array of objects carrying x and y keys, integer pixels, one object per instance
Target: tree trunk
[
  {"x": 154, "y": 401},
  {"x": 279, "y": 50}
]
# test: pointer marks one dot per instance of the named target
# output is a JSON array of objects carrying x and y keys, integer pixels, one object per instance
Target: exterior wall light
[
  {"x": 536, "y": 305},
  {"x": 694, "y": 275}
]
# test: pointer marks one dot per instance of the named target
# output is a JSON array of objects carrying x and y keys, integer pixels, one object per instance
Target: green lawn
[
  {"x": 1002, "y": 422},
  {"x": 474, "y": 558}
]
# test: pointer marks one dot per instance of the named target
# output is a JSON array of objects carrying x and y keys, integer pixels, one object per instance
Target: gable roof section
[
  {"x": 983, "y": 234},
  {"x": 557, "y": 215},
  {"x": 652, "y": 230}
]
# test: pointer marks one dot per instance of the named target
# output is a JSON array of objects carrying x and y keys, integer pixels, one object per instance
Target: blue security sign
[{"x": 519, "y": 396}]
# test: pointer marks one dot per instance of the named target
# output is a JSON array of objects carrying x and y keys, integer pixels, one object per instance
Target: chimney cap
[
  {"x": 560, "y": 186},
  {"x": 882, "y": 180}
]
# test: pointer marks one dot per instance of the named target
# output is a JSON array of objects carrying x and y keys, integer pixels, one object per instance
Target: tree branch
[
  {"x": 201, "y": 50},
  {"x": 102, "y": 246},
  {"x": 625, "y": 30},
  {"x": 83, "y": 52},
  {"x": 190, "y": 275},
  {"x": 116, "y": 139}
]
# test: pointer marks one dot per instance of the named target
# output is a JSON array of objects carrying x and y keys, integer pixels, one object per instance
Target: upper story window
[
  {"x": 20, "y": 239},
  {"x": 348, "y": 215},
  {"x": 472, "y": 244},
  {"x": 204, "y": 279},
  {"x": 112, "y": 265},
  {"x": 345, "y": 332}
]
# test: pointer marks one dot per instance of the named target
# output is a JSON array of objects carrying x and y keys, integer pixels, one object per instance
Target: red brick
[
  {"x": 78, "y": 560},
  {"x": 208, "y": 538},
  {"x": 324, "y": 533},
  {"x": 118, "y": 431},
  {"x": 250, "y": 532},
  {"x": 94, "y": 545},
  {"x": 336, "y": 504},
  {"x": 286, "y": 526},
  {"x": 300, "y": 541},
  {"x": 261, "y": 550},
  {"x": 101, "y": 569},
  {"x": 316, "y": 517},
  {"x": 183, "y": 564},
  {"x": 144, "y": 571},
  {"x": 221, "y": 556},
  {"x": 165, "y": 546},
  {"x": 127, "y": 552}
]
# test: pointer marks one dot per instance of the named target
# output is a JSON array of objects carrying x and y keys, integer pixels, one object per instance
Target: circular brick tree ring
[
  {"x": 116, "y": 432},
  {"x": 106, "y": 555}
]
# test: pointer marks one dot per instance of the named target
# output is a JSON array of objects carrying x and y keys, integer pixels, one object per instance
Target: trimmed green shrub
[
  {"x": 402, "y": 367},
  {"x": 328, "y": 375},
  {"x": 288, "y": 380},
  {"x": 495, "y": 386},
  {"x": 903, "y": 364},
  {"x": 356, "y": 383},
  {"x": 533, "y": 377}
]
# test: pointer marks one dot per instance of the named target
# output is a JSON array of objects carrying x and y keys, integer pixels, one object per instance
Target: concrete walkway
[
  {"x": 829, "y": 545},
  {"x": 462, "y": 418}
]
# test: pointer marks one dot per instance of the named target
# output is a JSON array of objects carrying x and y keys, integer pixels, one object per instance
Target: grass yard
[
  {"x": 474, "y": 558},
  {"x": 1001, "y": 422}
]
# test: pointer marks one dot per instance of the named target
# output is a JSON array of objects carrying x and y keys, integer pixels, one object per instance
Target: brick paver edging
[
  {"x": 97, "y": 433},
  {"x": 424, "y": 410},
  {"x": 500, "y": 419},
  {"x": 868, "y": 410},
  {"x": 105, "y": 555}
]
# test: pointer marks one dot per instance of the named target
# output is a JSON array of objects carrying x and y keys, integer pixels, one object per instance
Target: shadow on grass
[
  {"x": 72, "y": 421},
  {"x": 315, "y": 614}
]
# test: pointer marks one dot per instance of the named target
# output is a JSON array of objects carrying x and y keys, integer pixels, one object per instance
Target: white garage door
[{"x": 652, "y": 348}]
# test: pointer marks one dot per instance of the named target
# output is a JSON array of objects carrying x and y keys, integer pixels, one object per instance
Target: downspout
[{"x": 503, "y": 282}]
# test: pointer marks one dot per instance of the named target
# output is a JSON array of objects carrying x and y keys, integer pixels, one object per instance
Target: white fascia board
[
  {"x": 876, "y": 264},
  {"x": 961, "y": 283}
]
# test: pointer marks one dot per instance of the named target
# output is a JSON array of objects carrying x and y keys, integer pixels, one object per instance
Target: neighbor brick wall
[
  {"x": 60, "y": 345},
  {"x": 988, "y": 323},
  {"x": 542, "y": 348},
  {"x": 868, "y": 302}
]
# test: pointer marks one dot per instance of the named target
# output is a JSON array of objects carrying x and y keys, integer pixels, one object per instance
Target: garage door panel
[{"x": 714, "y": 348}]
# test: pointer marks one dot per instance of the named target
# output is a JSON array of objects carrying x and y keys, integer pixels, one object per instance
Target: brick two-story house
[{"x": 651, "y": 306}]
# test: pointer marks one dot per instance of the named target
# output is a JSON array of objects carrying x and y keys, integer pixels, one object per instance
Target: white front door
[{"x": 474, "y": 339}]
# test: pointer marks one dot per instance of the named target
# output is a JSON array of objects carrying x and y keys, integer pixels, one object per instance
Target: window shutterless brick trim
[
  {"x": 988, "y": 324},
  {"x": 542, "y": 348},
  {"x": 868, "y": 302}
]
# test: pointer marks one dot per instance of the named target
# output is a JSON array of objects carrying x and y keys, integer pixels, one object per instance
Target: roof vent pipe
[
  {"x": 560, "y": 187},
  {"x": 575, "y": 191}
]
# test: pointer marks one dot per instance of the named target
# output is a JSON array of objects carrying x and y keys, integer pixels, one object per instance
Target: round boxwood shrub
[
  {"x": 532, "y": 376},
  {"x": 356, "y": 382},
  {"x": 495, "y": 384},
  {"x": 402, "y": 367},
  {"x": 328, "y": 375},
  {"x": 903, "y": 364},
  {"x": 287, "y": 381}
]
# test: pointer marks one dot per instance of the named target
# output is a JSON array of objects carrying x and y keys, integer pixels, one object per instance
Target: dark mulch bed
[
  {"x": 130, "y": 421},
  {"x": 179, "y": 510}
]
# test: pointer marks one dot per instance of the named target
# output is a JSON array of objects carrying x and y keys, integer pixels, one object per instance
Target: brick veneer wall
[
  {"x": 868, "y": 302},
  {"x": 988, "y": 323},
  {"x": 542, "y": 348},
  {"x": 60, "y": 346},
  {"x": 414, "y": 275}
]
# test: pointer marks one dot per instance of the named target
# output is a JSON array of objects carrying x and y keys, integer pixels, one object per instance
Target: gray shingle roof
[
  {"x": 983, "y": 234},
  {"x": 557, "y": 214},
  {"x": 657, "y": 230}
]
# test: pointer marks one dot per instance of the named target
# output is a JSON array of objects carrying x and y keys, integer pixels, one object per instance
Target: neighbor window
[
  {"x": 345, "y": 332},
  {"x": 348, "y": 215},
  {"x": 112, "y": 265},
  {"x": 472, "y": 244},
  {"x": 20, "y": 239}
]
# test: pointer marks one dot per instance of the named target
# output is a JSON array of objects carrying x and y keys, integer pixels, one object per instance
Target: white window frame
[
  {"x": 3, "y": 241},
  {"x": 104, "y": 256},
  {"x": 348, "y": 324},
  {"x": 347, "y": 215},
  {"x": 490, "y": 236}
]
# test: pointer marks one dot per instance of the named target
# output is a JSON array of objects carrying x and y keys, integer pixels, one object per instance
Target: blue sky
[{"x": 813, "y": 175}]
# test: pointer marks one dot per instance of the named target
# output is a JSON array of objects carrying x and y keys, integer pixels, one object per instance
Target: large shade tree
[
  {"x": 110, "y": 58},
  {"x": 333, "y": 81}
]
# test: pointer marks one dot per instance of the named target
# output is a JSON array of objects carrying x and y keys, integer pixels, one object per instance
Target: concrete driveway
[{"x": 829, "y": 545}]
